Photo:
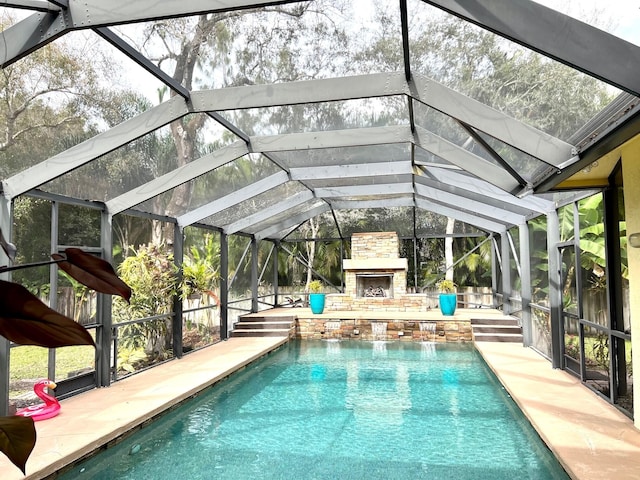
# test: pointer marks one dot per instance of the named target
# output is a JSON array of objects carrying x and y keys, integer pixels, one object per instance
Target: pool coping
[
  {"x": 591, "y": 438},
  {"x": 129, "y": 403}
]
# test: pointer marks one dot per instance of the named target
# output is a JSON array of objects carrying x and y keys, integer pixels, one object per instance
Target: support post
[
  {"x": 505, "y": 249},
  {"x": 618, "y": 380},
  {"x": 104, "y": 332},
  {"x": 224, "y": 286},
  {"x": 53, "y": 281},
  {"x": 525, "y": 283},
  {"x": 178, "y": 258},
  {"x": 555, "y": 288},
  {"x": 276, "y": 255},
  {"x": 6, "y": 211},
  {"x": 495, "y": 265},
  {"x": 254, "y": 275}
]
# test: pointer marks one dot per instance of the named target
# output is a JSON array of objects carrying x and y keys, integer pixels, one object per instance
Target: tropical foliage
[
  {"x": 25, "y": 320},
  {"x": 54, "y": 99}
]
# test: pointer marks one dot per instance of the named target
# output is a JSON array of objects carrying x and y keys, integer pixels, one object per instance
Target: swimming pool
[{"x": 341, "y": 410}]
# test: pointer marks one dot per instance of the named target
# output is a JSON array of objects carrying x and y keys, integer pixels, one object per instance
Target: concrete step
[
  {"x": 506, "y": 320},
  {"x": 501, "y": 329},
  {"x": 269, "y": 325},
  {"x": 494, "y": 337},
  {"x": 261, "y": 332},
  {"x": 267, "y": 318},
  {"x": 498, "y": 329},
  {"x": 253, "y": 325}
]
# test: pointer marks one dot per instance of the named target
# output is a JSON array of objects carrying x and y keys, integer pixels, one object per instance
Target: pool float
[{"x": 49, "y": 409}]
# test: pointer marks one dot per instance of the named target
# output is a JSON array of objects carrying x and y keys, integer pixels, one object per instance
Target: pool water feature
[
  {"x": 340, "y": 410},
  {"x": 427, "y": 331},
  {"x": 332, "y": 329},
  {"x": 379, "y": 330}
]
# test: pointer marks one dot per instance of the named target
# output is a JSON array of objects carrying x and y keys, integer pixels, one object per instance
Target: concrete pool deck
[{"x": 591, "y": 438}]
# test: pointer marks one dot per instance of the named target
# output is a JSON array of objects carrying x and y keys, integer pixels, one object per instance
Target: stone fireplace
[
  {"x": 375, "y": 277},
  {"x": 375, "y": 269}
]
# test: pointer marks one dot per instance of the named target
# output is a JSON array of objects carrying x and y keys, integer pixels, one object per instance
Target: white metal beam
[
  {"x": 354, "y": 137},
  {"x": 465, "y": 159},
  {"x": 352, "y": 171},
  {"x": 405, "y": 201},
  {"x": 234, "y": 198},
  {"x": 493, "y": 122},
  {"x": 272, "y": 211},
  {"x": 504, "y": 203},
  {"x": 499, "y": 214},
  {"x": 364, "y": 190},
  {"x": 292, "y": 221},
  {"x": 465, "y": 182},
  {"x": 95, "y": 147},
  {"x": 177, "y": 177},
  {"x": 481, "y": 223},
  {"x": 482, "y": 117}
]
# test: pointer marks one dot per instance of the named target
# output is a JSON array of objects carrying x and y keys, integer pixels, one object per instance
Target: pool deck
[
  {"x": 431, "y": 315},
  {"x": 94, "y": 418},
  {"x": 591, "y": 438}
]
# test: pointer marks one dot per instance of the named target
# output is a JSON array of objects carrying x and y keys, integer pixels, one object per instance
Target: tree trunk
[
  {"x": 448, "y": 249},
  {"x": 311, "y": 251}
]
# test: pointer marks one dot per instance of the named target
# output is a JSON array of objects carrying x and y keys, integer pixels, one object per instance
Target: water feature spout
[
  {"x": 332, "y": 329},
  {"x": 379, "y": 330},
  {"x": 427, "y": 331}
]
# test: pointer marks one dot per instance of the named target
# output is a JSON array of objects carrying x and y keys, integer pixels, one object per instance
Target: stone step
[
  {"x": 497, "y": 337},
  {"x": 269, "y": 325},
  {"x": 506, "y": 320},
  {"x": 499, "y": 329},
  {"x": 267, "y": 318},
  {"x": 261, "y": 332}
]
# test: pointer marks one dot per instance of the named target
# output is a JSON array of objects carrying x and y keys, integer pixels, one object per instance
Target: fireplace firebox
[{"x": 374, "y": 285}]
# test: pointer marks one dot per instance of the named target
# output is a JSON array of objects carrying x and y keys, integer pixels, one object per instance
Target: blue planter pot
[
  {"x": 448, "y": 303},
  {"x": 316, "y": 302}
]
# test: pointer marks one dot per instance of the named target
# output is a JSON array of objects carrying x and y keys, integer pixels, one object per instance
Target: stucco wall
[{"x": 631, "y": 176}]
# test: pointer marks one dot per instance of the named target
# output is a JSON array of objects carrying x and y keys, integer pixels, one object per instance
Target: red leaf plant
[{"x": 25, "y": 320}]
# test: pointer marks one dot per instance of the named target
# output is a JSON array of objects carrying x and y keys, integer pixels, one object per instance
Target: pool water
[{"x": 341, "y": 410}]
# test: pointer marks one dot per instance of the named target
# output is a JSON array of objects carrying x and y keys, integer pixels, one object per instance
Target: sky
[
  {"x": 625, "y": 14},
  {"x": 619, "y": 17}
]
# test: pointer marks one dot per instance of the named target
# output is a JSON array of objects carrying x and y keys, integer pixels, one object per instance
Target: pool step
[
  {"x": 264, "y": 326},
  {"x": 505, "y": 329}
]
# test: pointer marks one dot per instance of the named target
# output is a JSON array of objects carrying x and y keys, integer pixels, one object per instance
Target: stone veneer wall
[
  {"x": 403, "y": 330},
  {"x": 374, "y": 245},
  {"x": 408, "y": 302}
]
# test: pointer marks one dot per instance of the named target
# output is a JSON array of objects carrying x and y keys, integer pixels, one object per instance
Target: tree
[
  {"x": 44, "y": 98},
  {"x": 231, "y": 49}
]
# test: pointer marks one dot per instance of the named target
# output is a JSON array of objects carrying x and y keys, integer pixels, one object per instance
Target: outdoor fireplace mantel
[{"x": 375, "y": 264}]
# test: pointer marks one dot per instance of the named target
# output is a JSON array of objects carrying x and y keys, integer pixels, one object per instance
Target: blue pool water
[{"x": 341, "y": 410}]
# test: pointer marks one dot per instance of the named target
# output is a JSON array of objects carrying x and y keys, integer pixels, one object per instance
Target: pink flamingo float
[{"x": 49, "y": 409}]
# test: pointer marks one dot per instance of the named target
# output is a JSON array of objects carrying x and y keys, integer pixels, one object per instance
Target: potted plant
[
  {"x": 316, "y": 296},
  {"x": 448, "y": 297}
]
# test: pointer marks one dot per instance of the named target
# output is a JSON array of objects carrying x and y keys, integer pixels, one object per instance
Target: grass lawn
[{"x": 30, "y": 363}]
